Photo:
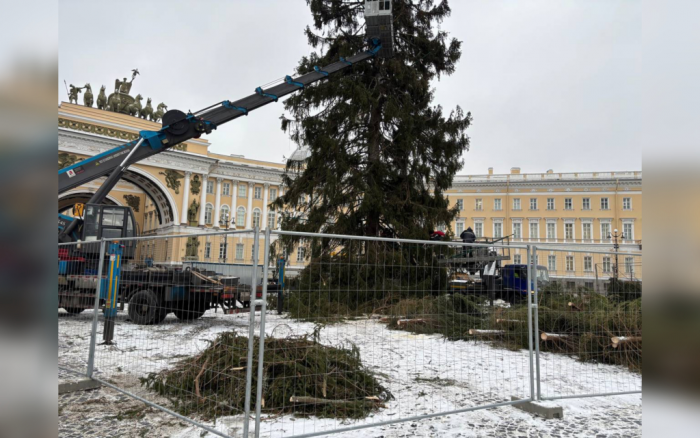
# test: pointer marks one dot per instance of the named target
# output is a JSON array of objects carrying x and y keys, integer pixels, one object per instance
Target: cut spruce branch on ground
[
  {"x": 301, "y": 377},
  {"x": 582, "y": 326}
]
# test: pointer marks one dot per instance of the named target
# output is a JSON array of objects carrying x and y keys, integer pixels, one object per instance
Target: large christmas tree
[{"x": 381, "y": 153}]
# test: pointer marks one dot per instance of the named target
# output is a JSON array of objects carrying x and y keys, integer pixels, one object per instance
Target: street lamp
[{"x": 616, "y": 236}]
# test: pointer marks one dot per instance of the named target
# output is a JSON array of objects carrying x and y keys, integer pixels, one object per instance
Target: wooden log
[
  {"x": 323, "y": 401},
  {"x": 477, "y": 332},
  {"x": 621, "y": 340},
  {"x": 574, "y": 307},
  {"x": 505, "y": 321},
  {"x": 553, "y": 336},
  {"x": 401, "y": 322}
]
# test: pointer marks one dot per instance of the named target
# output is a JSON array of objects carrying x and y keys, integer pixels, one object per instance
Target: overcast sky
[{"x": 550, "y": 84}]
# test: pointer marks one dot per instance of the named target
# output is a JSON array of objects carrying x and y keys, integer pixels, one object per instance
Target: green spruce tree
[{"x": 382, "y": 153}]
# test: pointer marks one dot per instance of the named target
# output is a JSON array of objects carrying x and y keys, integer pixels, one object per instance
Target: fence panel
[
  {"x": 171, "y": 332},
  {"x": 380, "y": 331},
  {"x": 75, "y": 311},
  {"x": 589, "y": 323}
]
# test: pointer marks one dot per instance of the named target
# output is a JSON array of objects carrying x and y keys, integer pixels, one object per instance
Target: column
[
  {"x": 217, "y": 205},
  {"x": 186, "y": 198},
  {"x": 203, "y": 199},
  {"x": 280, "y": 192},
  {"x": 265, "y": 200},
  {"x": 234, "y": 204},
  {"x": 249, "y": 222}
]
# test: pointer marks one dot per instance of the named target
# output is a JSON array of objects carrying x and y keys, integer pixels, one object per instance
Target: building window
[
  {"x": 627, "y": 203},
  {"x": 459, "y": 227},
  {"x": 629, "y": 265},
  {"x": 552, "y": 262},
  {"x": 240, "y": 217},
  {"x": 568, "y": 204},
  {"x": 227, "y": 189},
  {"x": 588, "y": 263},
  {"x": 628, "y": 230},
  {"x": 534, "y": 230},
  {"x": 587, "y": 231},
  {"x": 257, "y": 191},
  {"x": 517, "y": 259},
  {"x": 586, "y": 204},
  {"x": 271, "y": 221},
  {"x": 604, "y": 204},
  {"x": 460, "y": 204},
  {"x": 604, "y": 230},
  {"x": 607, "y": 265},
  {"x": 301, "y": 254},
  {"x": 497, "y": 229},
  {"x": 569, "y": 231},
  {"x": 551, "y": 230},
  {"x": 207, "y": 213},
  {"x": 517, "y": 230},
  {"x": 225, "y": 216},
  {"x": 242, "y": 190},
  {"x": 210, "y": 186},
  {"x": 533, "y": 203},
  {"x": 516, "y": 203},
  {"x": 256, "y": 218},
  {"x": 207, "y": 250},
  {"x": 571, "y": 285},
  {"x": 550, "y": 203},
  {"x": 273, "y": 194},
  {"x": 479, "y": 229},
  {"x": 239, "y": 251},
  {"x": 223, "y": 250},
  {"x": 588, "y": 285},
  {"x": 569, "y": 263},
  {"x": 479, "y": 204},
  {"x": 497, "y": 204}
]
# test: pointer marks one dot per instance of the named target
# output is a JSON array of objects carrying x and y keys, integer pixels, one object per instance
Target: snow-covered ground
[{"x": 425, "y": 373}]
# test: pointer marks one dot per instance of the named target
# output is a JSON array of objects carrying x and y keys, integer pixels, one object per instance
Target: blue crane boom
[{"x": 179, "y": 127}]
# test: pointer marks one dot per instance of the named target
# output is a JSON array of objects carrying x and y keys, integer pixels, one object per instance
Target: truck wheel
[
  {"x": 73, "y": 310},
  {"x": 145, "y": 308},
  {"x": 188, "y": 311}
]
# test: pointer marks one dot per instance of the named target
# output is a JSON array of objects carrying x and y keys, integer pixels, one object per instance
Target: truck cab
[
  {"x": 514, "y": 278},
  {"x": 107, "y": 222}
]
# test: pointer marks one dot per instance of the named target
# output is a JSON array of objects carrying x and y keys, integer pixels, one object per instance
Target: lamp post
[{"x": 616, "y": 236}]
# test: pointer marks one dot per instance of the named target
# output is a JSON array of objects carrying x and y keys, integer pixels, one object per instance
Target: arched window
[
  {"x": 240, "y": 217},
  {"x": 207, "y": 214},
  {"x": 256, "y": 218},
  {"x": 225, "y": 215}
]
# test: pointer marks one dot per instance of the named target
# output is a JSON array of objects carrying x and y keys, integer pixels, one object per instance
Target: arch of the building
[
  {"x": 69, "y": 199},
  {"x": 166, "y": 207}
]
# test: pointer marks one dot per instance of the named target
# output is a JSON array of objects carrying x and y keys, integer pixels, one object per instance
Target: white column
[
  {"x": 265, "y": 200},
  {"x": 234, "y": 206},
  {"x": 280, "y": 192},
  {"x": 249, "y": 222},
  {"x": 186, "y": 198},
  {"x": 203, "y": 199},
  {"x": 217, "y": 206}
]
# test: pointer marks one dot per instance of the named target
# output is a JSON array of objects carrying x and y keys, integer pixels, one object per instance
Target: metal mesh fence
[
  {"x": 389, "y": 330},
  {"x": 349, "y": 332},
  {"x": 78, "y": 269},
  {"x": 589, "y": 323}
]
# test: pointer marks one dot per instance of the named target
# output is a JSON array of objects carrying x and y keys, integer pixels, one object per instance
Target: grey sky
[{"x": 551, "y": 84}]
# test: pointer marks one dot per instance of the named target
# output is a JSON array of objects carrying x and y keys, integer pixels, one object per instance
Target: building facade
[{"x": 190, "y": 190}]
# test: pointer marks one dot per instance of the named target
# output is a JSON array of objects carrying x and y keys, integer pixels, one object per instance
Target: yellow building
[
  {"x": 190, "y": 190},
  {"x": 569, "y": 216}
]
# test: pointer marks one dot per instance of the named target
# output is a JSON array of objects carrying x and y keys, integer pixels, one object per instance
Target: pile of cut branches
[{"x": 300, "y": 376}]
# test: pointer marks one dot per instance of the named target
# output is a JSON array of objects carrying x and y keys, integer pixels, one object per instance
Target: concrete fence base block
[
  {"x": 80, "y": 385},
  {"x": 547, "y": 410}
]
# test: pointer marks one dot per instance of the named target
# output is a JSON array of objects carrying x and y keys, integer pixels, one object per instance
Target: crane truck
[{"x": 188, "y": 292}]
